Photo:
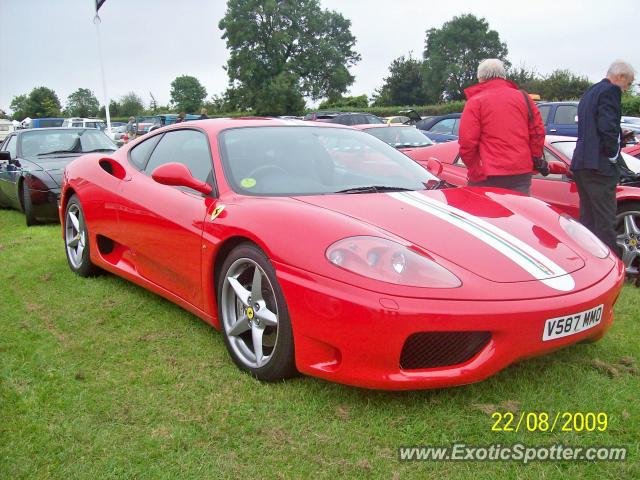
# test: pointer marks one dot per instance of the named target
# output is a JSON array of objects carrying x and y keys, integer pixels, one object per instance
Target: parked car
[
  {"x": 44, "y": 122},
  {"x": 6, "y": 127},
  {"x": 349, "y": 265},
  {"x": 633, "y": 150},
  {"x": 344, "y": 118},
  {"x": 440, "y": 128},
  {"x": 118, "y": 134},
  {"x": 560, "y": 118},
  {"x": 77, "y": 122},
  {"x": 559, "y": 190},
  {"x": 31, "y": 166},
  {"x": 405, "y": 138}
]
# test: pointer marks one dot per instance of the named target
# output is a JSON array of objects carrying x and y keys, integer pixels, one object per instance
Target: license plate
[{"x": 568, "y": 325}]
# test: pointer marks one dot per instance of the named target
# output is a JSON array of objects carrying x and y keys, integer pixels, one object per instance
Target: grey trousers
[
  {"x": 598, "y": 204},
  {"x": 520, "y": 183}
]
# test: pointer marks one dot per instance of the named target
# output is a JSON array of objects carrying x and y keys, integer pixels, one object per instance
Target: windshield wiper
[
  {"x": 56, "y": 151},
  {"x": 374, "y": 189}
]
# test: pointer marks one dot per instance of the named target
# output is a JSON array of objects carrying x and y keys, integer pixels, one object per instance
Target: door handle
[{"x": 553, "y": 130}]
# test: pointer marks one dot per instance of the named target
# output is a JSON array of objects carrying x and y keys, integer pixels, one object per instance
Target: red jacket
[{"x": 496, "y": 137}]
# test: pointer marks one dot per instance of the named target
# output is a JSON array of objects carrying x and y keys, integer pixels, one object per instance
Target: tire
[
  {"x": 628, "y": 239},
  {"x": 27, "y": 205},
  {"x": 76, "y": 239},
  {"x": 245, "y": 319}
]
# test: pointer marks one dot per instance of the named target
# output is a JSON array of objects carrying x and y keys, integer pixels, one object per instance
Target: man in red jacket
[{"x": 501, "y": 131}]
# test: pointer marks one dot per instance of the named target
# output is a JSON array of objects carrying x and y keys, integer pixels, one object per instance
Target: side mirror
[
  {"x": 5, "y": 156},
  {"x": 434, "y": 166},
  {"x": 559, "y": 168},
  {"x": 178, "y": 175}
]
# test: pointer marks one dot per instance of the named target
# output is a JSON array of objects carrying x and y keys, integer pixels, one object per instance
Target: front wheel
[
  {"x": 76, "y": 238},
  {"x": 27, "y": 205},
  {"x": 253, "y": 315},
  {"x": 628, "y": 229}
]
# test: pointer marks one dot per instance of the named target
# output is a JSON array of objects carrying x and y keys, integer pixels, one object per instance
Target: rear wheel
[
  {"x": 628, "y": 229},
  {"x": 76, "y": 237},
  {"x": 253, "y": 315},
  {"x": 27, "y": 205}
]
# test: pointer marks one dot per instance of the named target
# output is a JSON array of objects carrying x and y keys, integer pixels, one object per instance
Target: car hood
[
  {"x": 479, "y": 232},
  {"x": 54, "y": 167}
]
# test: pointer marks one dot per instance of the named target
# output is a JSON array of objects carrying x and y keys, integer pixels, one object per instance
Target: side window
[
  {"x": 459, "y": 163},
  {"x": 566, "y": 115},
  {"x": 139, "y": 155},
  {"x": 444, "y": 126},
  {"x": 11, "y": 146},
  {"x": 76, "y": 124},
  {"x": 188, "y": 147},
  {"x": 544, "y": 113}
]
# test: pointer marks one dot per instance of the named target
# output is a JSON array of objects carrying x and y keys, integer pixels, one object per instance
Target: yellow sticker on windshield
[{"x": 248, "y": 182}]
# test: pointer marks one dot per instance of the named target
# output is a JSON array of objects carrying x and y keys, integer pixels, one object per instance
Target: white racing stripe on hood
[{"x": 523, "y": 255}]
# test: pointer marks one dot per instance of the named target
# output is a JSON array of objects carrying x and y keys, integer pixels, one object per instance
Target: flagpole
[{"x": 96, "y": 22}]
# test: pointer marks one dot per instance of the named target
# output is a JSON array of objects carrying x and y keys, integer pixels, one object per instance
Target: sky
[{"x": 146, "y": 44}]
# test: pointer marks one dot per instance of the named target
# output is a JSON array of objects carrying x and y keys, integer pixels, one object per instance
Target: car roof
[
  {"x": 569, "y": 102},
  {"x": 366, "y": 126}
]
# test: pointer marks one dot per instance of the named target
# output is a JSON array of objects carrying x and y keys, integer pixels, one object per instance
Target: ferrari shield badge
[{"x": 216, "y": 212}]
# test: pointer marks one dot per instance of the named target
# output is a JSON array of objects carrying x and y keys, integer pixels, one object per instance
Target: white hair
[
  {"x": 621, "y": 68},
  {"x": 491, "y": 68}
]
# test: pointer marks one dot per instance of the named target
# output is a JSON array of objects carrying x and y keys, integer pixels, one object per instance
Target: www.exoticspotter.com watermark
[{"x": 517, "y": 452}]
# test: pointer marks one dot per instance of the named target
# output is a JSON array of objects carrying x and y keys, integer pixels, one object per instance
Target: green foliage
[
  {"x": 280, "y": 97},
  {"x": 424, "y": 110},
  {"x": 82, "y": 103},
  {"x": 130, "y": 105},
  {"x": 279, "y": 41},
  {"x": 631, "y": 105},
  {"x": 560, "y": 85},
  {"x": 187, "y": 94},
  {"x": 404, "y": 85},
  {"x": 41, "y": 102},
  {"x": 358, "y": 102},
  {"x": 452, "y": 54}
]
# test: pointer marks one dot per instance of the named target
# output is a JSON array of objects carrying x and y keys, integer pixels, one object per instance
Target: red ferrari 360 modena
[
  {"x": 558, "y": 189},
  {"x": 317, "y": 248}
]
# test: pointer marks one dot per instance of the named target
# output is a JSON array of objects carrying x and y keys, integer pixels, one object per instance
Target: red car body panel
[
  {"x": 557, "y": 190},
  {"x": 633, "y": 150},
  {"x": 347, "y": 328}
]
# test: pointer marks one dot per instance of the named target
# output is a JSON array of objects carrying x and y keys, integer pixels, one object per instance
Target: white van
[
  {"x": 85, "y": 123},
  {"x": 6, "y": 127}
]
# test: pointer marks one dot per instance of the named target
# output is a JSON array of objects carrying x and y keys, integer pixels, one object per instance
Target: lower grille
[{"x": 440, "y": 349}]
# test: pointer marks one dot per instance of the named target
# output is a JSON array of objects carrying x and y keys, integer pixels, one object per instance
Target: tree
[
  {"x": 130, "y": 105},
  {"x": 82, "y": 103},
  {"x": 404, "y": 85},
  {"x": 292, "y": 43},
  {"x": 563, "y": 85},
  {"x": 452, "y": 54},
  {"x": 361, "y": 101},
  {"x": 187, "y": 94},
  {"x": 41, "y": 102}
]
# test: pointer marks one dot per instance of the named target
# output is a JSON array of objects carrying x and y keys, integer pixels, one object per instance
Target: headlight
[
  {"x": 389, "y": 262},
  {"x": 583, "y": 237}
]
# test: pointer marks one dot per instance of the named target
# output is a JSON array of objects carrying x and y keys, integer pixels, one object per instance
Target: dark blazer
[{"x": 599, "y": 130}]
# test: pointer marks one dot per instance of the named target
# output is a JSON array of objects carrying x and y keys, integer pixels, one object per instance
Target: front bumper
[{"x": 354, "y": 336}]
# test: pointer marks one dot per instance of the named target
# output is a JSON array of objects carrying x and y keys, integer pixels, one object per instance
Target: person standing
[
  {"x": 132, "y": 129},
  {"x": 595, "y": 159},
  {"x": 203, "y": 114},
  {"x": 501, "y": 131},
  {"x": 180, "y": 118}
]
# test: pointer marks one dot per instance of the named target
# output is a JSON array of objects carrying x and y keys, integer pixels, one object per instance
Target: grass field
[{"x": 101, "y": 379}]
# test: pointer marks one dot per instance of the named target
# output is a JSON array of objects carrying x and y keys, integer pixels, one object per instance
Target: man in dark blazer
[{"x": 595, "y": 159}]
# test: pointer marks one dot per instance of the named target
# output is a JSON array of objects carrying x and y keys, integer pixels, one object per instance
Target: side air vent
[{"x": 112, "y": 167}]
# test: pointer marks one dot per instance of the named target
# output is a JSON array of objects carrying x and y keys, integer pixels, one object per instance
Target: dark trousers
[
  {"x": 520, "y": 183},
  {"x": 598, "y": 204}
]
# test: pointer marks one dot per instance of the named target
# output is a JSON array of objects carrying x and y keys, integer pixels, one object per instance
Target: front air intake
[{"x": 441, "y": 349}]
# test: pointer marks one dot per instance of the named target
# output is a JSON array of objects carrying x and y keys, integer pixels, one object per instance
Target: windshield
[
  {"x": 567, "y": 148},
  {"x": 400, "y": 137},
  {"x": 40, "y": 143},
  {"x": 294, "y": 160}
]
